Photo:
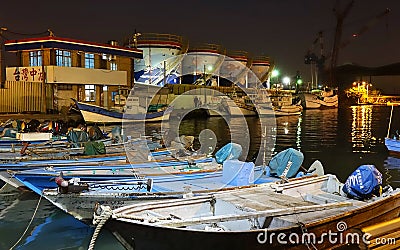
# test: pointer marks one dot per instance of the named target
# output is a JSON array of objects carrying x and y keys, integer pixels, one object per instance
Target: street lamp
[
  {"x": 298, "y": 82},
  {"x": 274, "y": 74},
  {"x": 286, "y": 80}
]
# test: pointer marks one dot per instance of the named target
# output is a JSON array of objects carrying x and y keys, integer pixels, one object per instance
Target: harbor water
[{"x": 342, "y": 139}]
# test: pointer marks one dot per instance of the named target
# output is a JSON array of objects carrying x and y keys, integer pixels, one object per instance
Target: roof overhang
[{"x": 70, "y": 44}]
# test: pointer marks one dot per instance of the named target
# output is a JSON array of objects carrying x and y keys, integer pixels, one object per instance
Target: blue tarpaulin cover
[
  {"x": 286, "y": 163},
  {"x": 230, "y": 151},
  {"x": 363, "y": 182}
]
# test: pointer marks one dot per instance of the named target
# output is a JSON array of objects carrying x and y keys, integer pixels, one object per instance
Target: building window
[
  {"x": 89, "y": 61},
  {"x": 64, "y": 87},
  {"x": 63, "y": 58},
  {"x": 90, "y": 93},
  {"x": 35, "y": 58},
  {"x": 113, "y": 66}
]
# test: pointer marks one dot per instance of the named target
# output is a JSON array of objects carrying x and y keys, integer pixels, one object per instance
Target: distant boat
[
  {"x": 96, "y": 114},
  {"x": 392, "y": 144},
  {"x": 313, "y": 101},
  {"x": 320, "y": 99},
  {"x": 393, "y": 103},
  {"x": 276, "y": 103}
]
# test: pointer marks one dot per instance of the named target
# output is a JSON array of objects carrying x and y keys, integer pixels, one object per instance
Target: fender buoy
[{"x": 61, "y": 182}]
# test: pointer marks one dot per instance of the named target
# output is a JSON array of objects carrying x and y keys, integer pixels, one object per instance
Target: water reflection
[
  {"x": 361, "y": 129},
  {"x": 289, "y": 132},
  {"x": 50, "y": 229},
  {"x": 392, "y": 171}
]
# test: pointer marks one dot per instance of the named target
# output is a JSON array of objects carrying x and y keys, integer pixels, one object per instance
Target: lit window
[
  {"x": 90, "y": 93},
  {"x": 63, "y": 58},
  {"x": 89, "y": 61},
  {"x": 35, "y": 58},
  {"x": 113, "y": 66}
]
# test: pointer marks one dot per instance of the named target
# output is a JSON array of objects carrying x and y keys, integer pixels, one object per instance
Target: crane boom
[
  {"x": 312, "y": 58},
  {"x": 365, "y": 27},
  {"x": 340, "y": 16}
]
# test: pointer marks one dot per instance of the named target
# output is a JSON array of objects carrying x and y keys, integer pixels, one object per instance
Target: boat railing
[
  {"x": 209, "y": 47},
  {"x": 156, "y": 37},
  {"x": 261, "y": 59},
  {"x": 238, "y": 54}
]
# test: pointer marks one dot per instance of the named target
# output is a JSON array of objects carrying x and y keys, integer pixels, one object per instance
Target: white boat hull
[
  {"x": 92, "y": 117},
  {"x": 313, "y": 102}
]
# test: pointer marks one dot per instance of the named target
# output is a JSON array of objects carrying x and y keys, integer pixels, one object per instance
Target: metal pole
[
  {"x": 150, "y": 77},
  {"x": 264, "y": 161},
  {"x": 390, "y": 122},
  {"x": 43, "y": 83},
  {"x": 165, "y": 73},
  {"x": 312, "y": 75}
]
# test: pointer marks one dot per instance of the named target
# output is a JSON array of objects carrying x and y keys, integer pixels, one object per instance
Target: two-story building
[{"x": 52, "y": 70}]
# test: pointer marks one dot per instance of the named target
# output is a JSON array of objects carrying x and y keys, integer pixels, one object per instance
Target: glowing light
[
  {"x": 286, "y": 80},
  {"x": 275, "y": 73}
]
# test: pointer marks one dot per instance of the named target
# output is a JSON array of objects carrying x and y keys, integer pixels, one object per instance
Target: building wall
[
  {"x": 126, "y": 64},
  {"x": 63, "y": 96}
]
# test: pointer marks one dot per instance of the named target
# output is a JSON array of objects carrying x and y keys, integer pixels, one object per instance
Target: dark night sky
[{"x": 281, "y": 29}]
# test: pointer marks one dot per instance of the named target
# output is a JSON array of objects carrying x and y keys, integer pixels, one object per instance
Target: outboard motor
[{"x": 364, "y": 183}]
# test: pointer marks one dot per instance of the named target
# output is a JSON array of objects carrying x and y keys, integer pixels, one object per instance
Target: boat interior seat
[{"x": 325, "y": 197}]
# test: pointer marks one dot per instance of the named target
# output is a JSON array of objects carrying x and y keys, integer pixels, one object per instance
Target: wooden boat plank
[
  {"x": 251, "y": 215},
  {"x": 260, "y": 201}
]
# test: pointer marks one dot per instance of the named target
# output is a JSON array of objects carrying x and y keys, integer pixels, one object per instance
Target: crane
[
  {"x": 313, "y": 59},
  {"x": 340, "y": 16}
]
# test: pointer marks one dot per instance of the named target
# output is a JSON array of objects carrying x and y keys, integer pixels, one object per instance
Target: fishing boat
[
  {"x": 33, "y": 138},
  {"x": 392, "y": 144},
  {"x": 276, "y": 103},
  {"x": 95, "y": 114},
  {"x": 117, "y": 186},
  {"x": 42, "y": 177},
  {"x": 304, "y": 213},
  {"x": 320, "y": 99}
]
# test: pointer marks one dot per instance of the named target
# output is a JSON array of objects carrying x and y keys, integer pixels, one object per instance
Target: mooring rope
[
  {"x": 100, "y": 220},
  {"x": 29, "y": 224},
  {"x": 106, "y": 213}
]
